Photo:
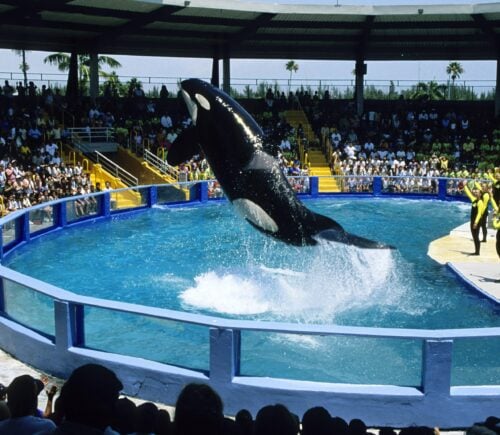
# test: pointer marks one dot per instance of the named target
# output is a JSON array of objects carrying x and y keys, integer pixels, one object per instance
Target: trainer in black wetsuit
[{"x": 476, "y": 213}]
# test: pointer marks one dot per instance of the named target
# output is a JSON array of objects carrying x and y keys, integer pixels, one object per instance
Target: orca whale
[{"x": 233, "y": 144}]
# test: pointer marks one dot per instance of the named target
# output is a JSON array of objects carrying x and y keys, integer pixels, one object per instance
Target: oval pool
[{"x": 207, "y": 260}]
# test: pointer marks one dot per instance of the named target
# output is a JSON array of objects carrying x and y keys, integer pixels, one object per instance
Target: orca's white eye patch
[
  {"x": 203, "y": 101},
  {"x": 191, "y": 105}
]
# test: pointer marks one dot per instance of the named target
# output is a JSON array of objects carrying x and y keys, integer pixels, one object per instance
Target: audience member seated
[
  {"x": 199, "y": 410},
  {"x": 244, "y": 421},
  {"x": 163, "y": 425},
  {"x": 124, "y": 417},
  {"x": 22, "y": 401},
  {"x": 491, "y": 426},
  {"x": 339, "y": 426},
  {"x": 89, "y": 398},
  {"x": 146, "y": 416},
  {"x": 275, "y": 420},
  {"x": 357, "y": 427},
  {"x": 316, "y": 421}
]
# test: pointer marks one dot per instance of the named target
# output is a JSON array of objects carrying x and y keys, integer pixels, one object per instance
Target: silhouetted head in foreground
[
  {"x": 199, "y": 410},
  {"x": 89, "y": 396},
  {"x": 275, "y": 420}
]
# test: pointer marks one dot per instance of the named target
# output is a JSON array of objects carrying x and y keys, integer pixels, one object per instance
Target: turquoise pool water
[{"x": 207, "y": 260}]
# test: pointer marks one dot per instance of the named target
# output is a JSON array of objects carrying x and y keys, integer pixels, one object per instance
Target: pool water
[{"x": 208, "y": 260}]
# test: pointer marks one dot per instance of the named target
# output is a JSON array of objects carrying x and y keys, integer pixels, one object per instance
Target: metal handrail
[
  {"x": 160, "y": 164},
  {"x": 93, "y": 134},
  {"x": 126, "y": 177}
]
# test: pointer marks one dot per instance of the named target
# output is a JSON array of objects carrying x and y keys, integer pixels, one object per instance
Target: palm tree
[
  {"x": 62, "y": 60},
  {"x": 293, "y": 67},
  {"x": 24, "y": 67},
  {"x": 431, "y": 91},
  {"x": 454, "y": 69}
]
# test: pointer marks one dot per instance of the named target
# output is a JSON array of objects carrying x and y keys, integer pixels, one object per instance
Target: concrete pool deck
[{"x": 480, "y": 272}]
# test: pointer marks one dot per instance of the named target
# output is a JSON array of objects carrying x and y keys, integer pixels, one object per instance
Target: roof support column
[
  {"x": 360, "y": 71},
  {"x": 226, "y": 74},
  {"x": 215, "y": 71},
  {"x": 94, "y": 76},
  {"x": 497, "y": 90},
  {"x": 72, "y": 85}
]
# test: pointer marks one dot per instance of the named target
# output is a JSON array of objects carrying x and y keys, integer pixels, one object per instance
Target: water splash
[
  {"x": 226, "y": 293},
  {"x": 313, "y": 287}
]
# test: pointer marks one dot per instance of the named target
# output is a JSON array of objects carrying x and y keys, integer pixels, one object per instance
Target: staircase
[
  {"x": 314, "y": 157},
  {"x": 101, "y": 169},
  {"x": 296, "y": 117},
  {"x": 319, "y": 167}
]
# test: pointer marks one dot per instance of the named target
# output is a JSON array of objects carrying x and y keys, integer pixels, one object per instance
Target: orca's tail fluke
[{"x": 341, "y": 236}]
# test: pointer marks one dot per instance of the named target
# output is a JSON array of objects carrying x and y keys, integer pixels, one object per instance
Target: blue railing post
[
  {"x": 224, "y": 355},
  {"x": 25, "y": 226},
  {"x": 199, "y": 192},
  {"x": 106, "y": 204},
  {"x": 203, "y": 191},
  {"x": 61, "y": 214},
  {"x": 436, "y": 367},
  {"x": 442, "y": 188},
  {"x": 377, "y": 186},
  {"x": 152, "y": 196},
  {"x": 314, "y": 186},
  {"x": 63, "y": 326}
]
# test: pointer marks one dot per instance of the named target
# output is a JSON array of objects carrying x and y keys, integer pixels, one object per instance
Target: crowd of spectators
[
  {"x": 89, "y": 403},
  {"x": 415, "y": 142}
]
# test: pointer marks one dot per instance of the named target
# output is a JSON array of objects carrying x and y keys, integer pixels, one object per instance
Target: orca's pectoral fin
[
  {"x": 184, "y": 147},
  {"x": 341, "y": 236}
]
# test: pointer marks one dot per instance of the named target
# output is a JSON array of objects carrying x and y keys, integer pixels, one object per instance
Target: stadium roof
[{"x": 229, "y": 28}]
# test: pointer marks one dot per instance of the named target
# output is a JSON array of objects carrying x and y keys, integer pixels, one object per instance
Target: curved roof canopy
[{"x": 220, "y": 28}]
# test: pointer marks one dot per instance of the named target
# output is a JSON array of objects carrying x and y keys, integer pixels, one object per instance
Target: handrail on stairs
[
  {"x": 93, "y": 134},
  {"x": 160, "y": 164},
  {"x": 126, "y": 177}
]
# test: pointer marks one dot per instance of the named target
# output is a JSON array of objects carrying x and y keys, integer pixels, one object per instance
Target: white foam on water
[
  {"x": 315, "y": 287},
  {"x": 226, "y": 293}
]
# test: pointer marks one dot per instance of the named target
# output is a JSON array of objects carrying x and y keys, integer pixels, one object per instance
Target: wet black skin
[{"x": 233, "y": 144}]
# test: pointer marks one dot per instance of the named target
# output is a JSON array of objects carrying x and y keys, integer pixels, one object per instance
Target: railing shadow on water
[{"x": 55, "y": 330}]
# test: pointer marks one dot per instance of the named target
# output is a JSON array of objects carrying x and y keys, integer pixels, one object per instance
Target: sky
[{"x": 132, "y": 66}]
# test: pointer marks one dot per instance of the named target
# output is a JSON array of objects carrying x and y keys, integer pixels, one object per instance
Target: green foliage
[
  {"x": 373, "y": 93},
  {"x": 293, "y": 67},
  {"x": 248, "y": 92},
  {"x": 62, "y": 61},
  {"x": 427, "y": 90},
  {"x": 154, "y": 92},
  {"x": 121, "y": 135},
  {"x": 454, "y": 70},
  {"x": 24, "y": 67}
]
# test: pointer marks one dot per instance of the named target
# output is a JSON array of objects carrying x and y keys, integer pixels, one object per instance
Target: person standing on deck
[{"x": 476, "y": 213}]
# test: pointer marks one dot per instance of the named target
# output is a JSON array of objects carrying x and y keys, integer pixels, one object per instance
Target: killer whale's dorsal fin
[{"x": 184, "y": 147}]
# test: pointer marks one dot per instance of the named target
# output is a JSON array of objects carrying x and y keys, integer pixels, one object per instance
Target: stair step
[{"x": 328, "y": 185}]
